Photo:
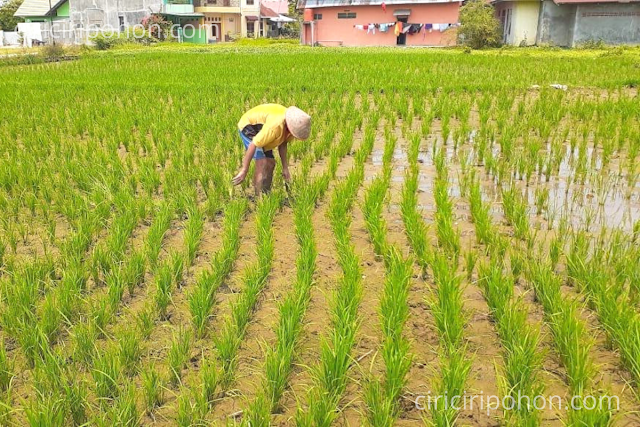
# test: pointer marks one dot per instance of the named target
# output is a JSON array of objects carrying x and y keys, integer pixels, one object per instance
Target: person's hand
[
  {"x": 239, "y": 177},
  {"x": 286, "y": 175}
]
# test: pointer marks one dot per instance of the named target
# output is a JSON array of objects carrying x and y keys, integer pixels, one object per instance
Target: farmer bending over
[{"x": 264, "y": 128}]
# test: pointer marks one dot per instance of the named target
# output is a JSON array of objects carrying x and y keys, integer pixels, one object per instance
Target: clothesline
[{"x": 405, "y": 27}]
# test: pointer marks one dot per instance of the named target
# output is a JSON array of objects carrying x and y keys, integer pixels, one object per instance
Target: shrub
[
  {"x": 158, "y": 27},
  {"x": 290, "y": 30},
  {"x": 479, "y": 26},
  {"x": 592, "y": 44},
  {"x": 53, "y": 52},
  {"x": 105, "y": 42}
]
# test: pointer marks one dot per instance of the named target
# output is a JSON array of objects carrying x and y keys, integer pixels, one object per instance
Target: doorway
[
  {"x": 214, "y": 31},
  {"x": 402, "y": 38}
]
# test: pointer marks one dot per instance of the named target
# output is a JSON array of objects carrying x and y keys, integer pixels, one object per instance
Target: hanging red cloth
[{"x": 384, "y": 7}]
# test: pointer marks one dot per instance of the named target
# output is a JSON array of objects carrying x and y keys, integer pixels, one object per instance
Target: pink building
[{"x": 373, "y": 22}]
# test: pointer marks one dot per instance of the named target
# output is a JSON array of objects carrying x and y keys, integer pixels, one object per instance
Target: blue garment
[{"x": 260, "y": 153}]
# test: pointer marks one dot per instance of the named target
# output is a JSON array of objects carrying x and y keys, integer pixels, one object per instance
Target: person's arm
[
  {"x": 282, "y": 151},
  {"x": 246, "y": 162}
]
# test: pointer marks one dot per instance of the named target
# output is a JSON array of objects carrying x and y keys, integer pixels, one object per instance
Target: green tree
[
  {"x": 479, "y": 26},
  {"x": 8, "y": 22}
]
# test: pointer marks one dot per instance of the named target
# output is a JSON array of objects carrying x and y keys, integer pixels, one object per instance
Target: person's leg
[
  {"x": 259, "y": 164},
  {"x": 258, "y": 174},
  {"x": 267, "y": 174}
]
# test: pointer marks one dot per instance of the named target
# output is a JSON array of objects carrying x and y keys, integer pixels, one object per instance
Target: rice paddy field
[{"x": 451, "y": 230}]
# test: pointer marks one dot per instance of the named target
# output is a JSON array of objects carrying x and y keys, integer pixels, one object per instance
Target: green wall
[
  {"x": 63, "y": 10},
  {"x": 199, "y": 36}
]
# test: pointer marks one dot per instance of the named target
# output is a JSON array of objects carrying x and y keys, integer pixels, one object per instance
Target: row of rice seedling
[
  {"x": 202, "y": 298},
  {"x": 374, "y": 199},
  {"x": 448, "y": 236},
  {"x": 330, "y": 375},
  {"x": 515, "y": 209},
  {"x": 382, "y": 395},
  {"x": 168, "y": 275},
  {"x": 255, "y": 277},
  {"x": 19, "y": 318},
  {"x": 455, "y": 362},
  {"x": 521, "y": 354},
  {"x": 279, "y": 359},
  {"x": 415, "y": 227},
  {"x": 589, "y": 267},
  {"x": 446, "y": 302}
]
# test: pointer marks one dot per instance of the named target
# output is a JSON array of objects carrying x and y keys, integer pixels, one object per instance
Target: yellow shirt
[{"x": 265, "y": 123}]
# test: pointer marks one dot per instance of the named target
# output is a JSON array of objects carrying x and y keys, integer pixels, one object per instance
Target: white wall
[
  {"x": 9, "y": 38},
  {"x": 31, "y": 31},
  {"x": 525, "y": 22},
  {"x": 520, "y": 21}
]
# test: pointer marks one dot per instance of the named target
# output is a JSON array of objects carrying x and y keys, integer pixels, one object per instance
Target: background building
[
  {"x": 572, "y": 22},
  {"x": 347, "y": 22},
  {"x": 569, "y": 23},
  {"x": 199, "y": 21}
]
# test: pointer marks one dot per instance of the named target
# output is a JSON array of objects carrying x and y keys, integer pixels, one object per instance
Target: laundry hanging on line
[
  {"x": 385, "y": 27},
  {"x": 405, "y": 27},
  {"x": 414, "y": 28},
  {"x": 398, "y": 28}
]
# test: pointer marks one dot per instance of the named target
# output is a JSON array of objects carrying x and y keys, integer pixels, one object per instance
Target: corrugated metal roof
[
  {"x": 309, "y": 4},
  {"x": 34, "y": 8},
  {"x": 38, "y": 7}
]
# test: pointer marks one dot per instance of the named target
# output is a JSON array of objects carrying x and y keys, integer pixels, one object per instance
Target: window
[
  {"x": 249, "y": 2},
  {"x": 317, "y": 16},
  {"x": 346, "y": 15}
]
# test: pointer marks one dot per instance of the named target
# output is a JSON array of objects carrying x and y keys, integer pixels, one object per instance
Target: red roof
[{"x": 266, "y": 12}]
